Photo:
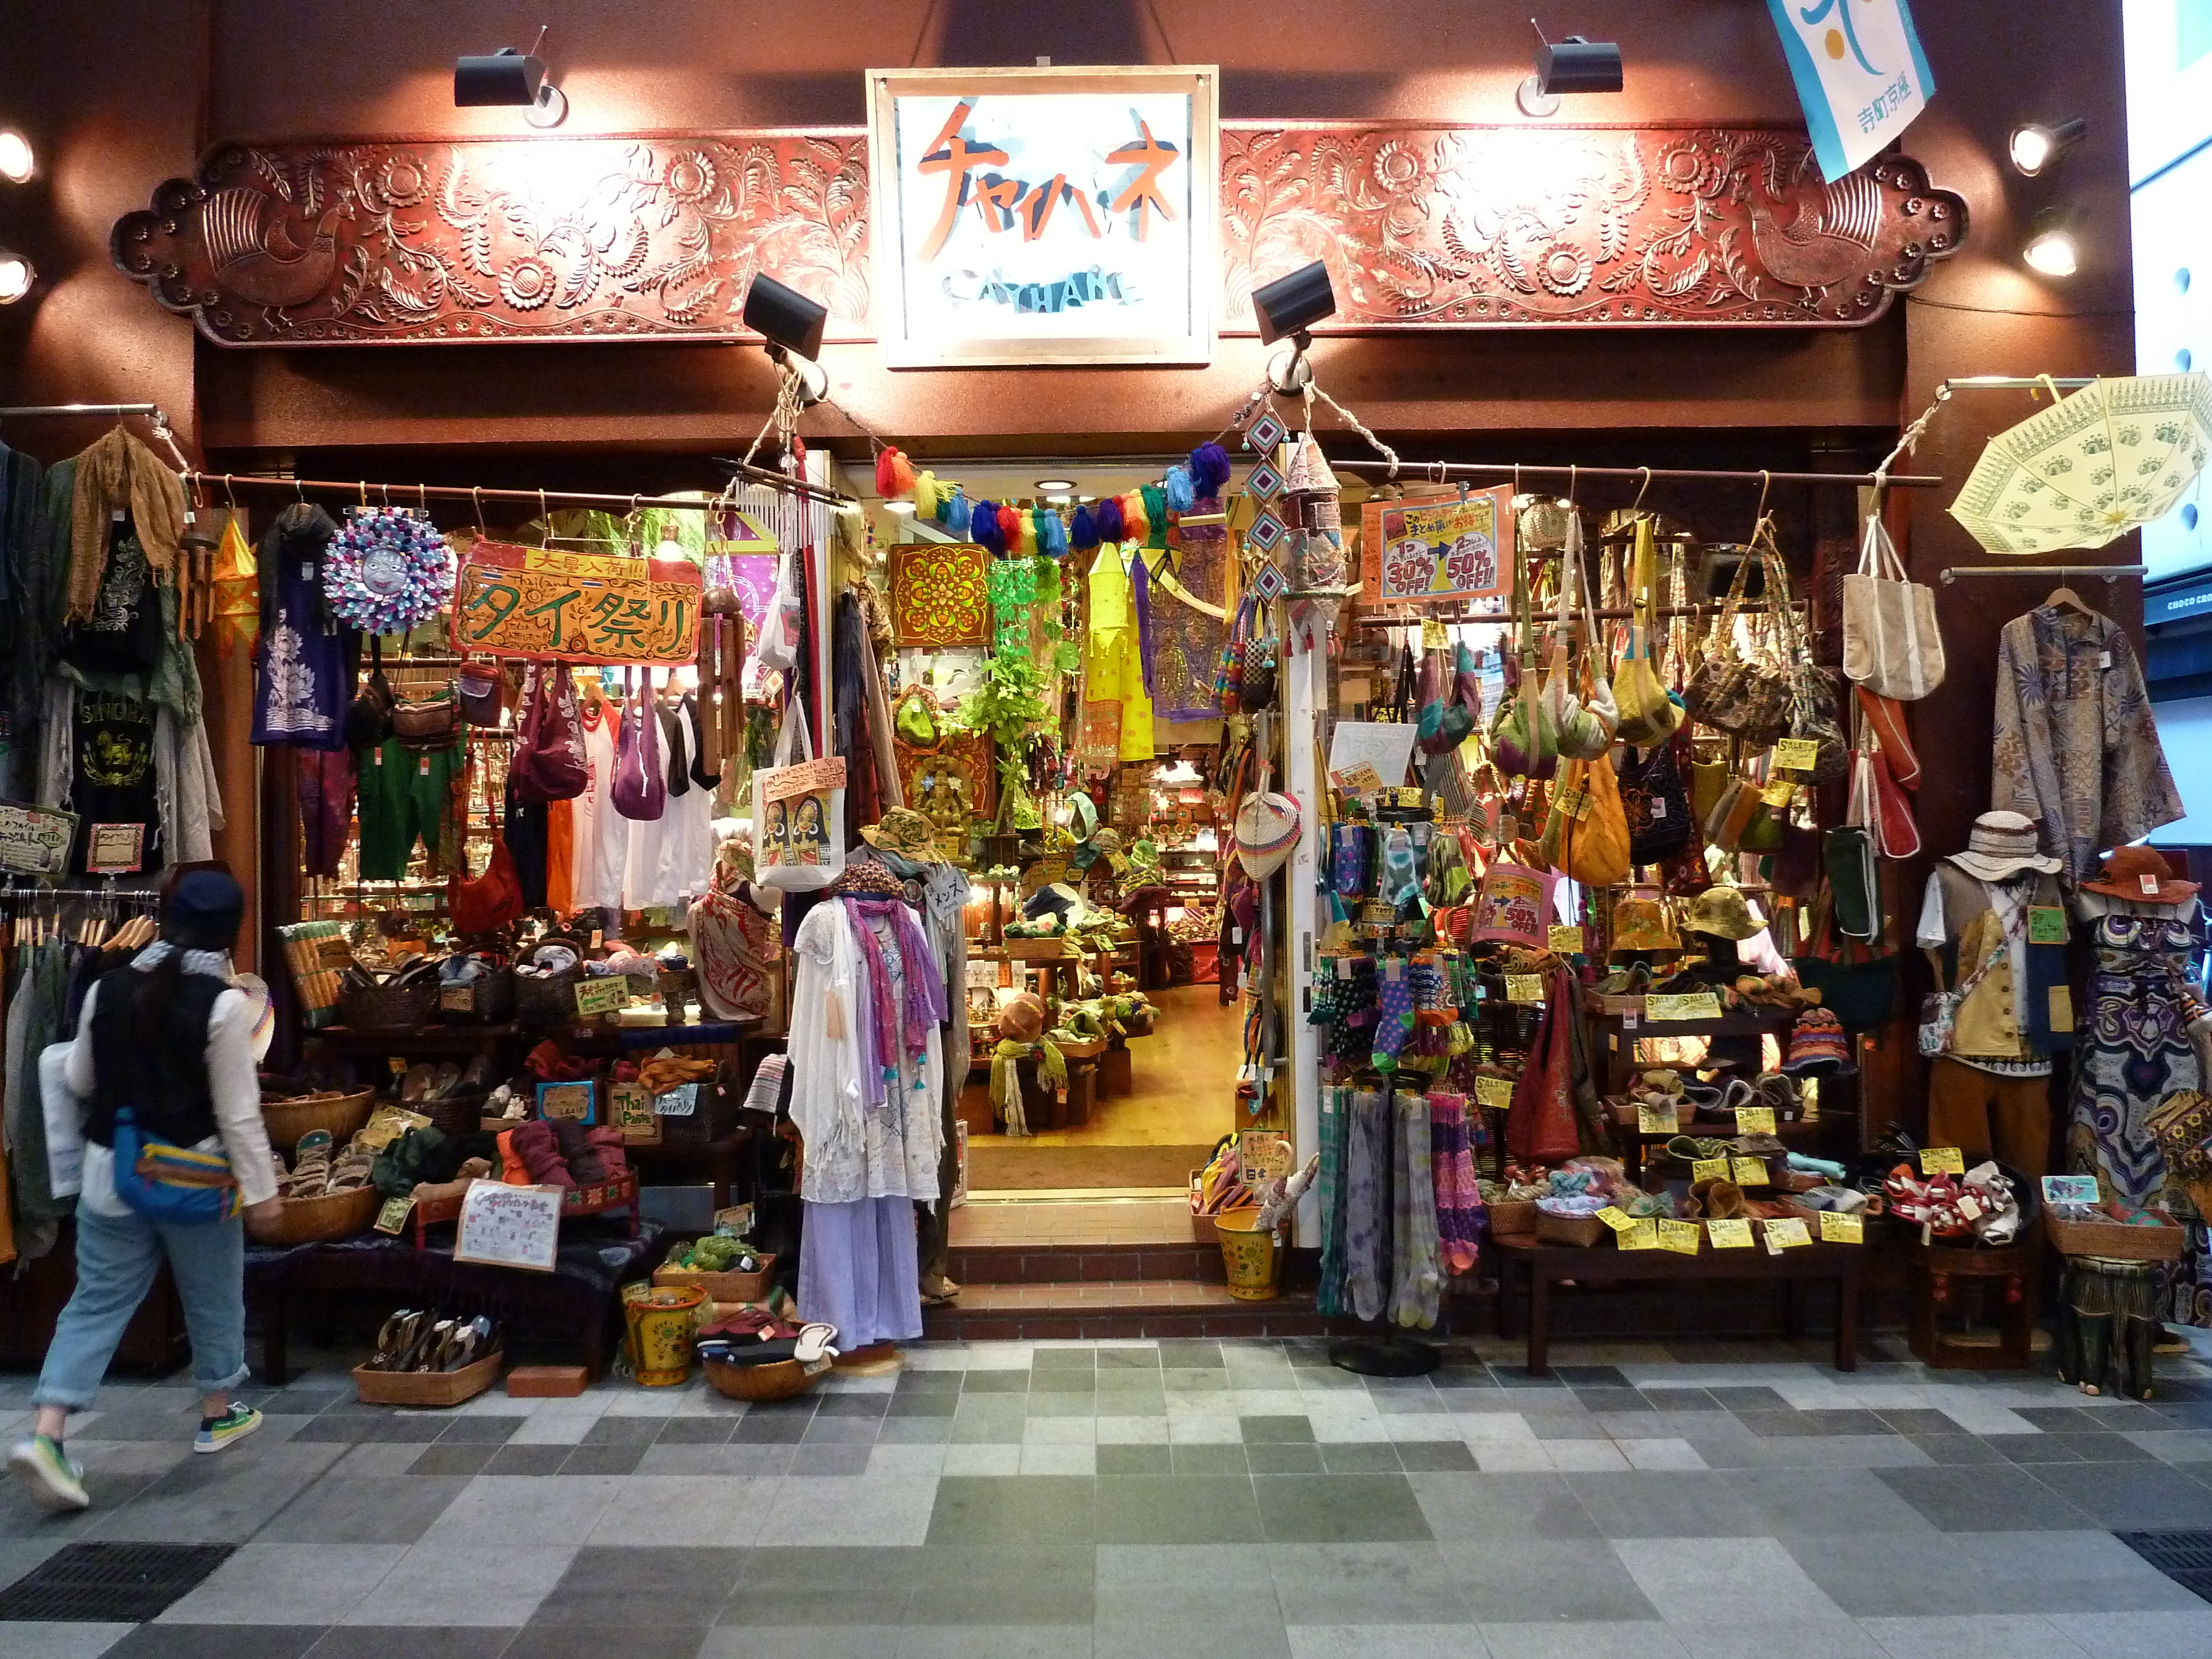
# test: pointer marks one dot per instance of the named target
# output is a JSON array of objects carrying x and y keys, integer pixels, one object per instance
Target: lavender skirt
[{"x": 858, "y": 1271}]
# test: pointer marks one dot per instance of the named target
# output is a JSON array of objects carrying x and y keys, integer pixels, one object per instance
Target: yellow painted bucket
[
  {"x": 1253, "y": 1262},
  {"x": 661, "y": 1325}
]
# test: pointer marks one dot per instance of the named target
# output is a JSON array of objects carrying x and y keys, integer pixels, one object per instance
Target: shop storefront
[{"x": 1321, "y": 716}]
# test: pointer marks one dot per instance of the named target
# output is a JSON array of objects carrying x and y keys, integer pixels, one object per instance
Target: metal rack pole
[
  {"x": 2010, "y": 383},
  {"x": 29, "y": 411},
  {"x": 2111, "y": 572},
  {"x": 1443, "y": 471},
  {"x": 402, "y": 494}
]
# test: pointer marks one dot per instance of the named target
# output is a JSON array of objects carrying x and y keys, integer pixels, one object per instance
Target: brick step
[
  {"x": 1093, "y": 1309},
  {"x": 1041, "y": 1264}
]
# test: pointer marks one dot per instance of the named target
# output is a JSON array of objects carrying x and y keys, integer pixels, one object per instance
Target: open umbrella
[{"x": 2115, "y": 456}]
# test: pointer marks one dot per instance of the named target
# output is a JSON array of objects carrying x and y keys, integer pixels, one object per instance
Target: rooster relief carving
[
  {"x": 1828, "y": 234},
  {"x": 257, "y": 260}
]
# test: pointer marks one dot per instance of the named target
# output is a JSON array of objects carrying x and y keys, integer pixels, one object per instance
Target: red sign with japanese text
[{"x": 541, "y": 604}]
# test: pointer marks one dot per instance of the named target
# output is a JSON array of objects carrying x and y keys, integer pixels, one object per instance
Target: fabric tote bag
[
  {"x": 799, "y": 812},
  {"x": 1891, "y": 644}
]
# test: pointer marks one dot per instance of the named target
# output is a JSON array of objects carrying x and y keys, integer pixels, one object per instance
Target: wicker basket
[
  {"x": 720, "y": 1287},
  {"x": 778, "y": 1381},
  {"x": 1515, "y": 1218},
  {"x": 334, "y": 1215},
  {"x": 340, "y": 1114},
  {"x": 388, "y": 1007},
  {"x": 455, "y": 1115},
  {"x": 427, "y": 1388},
  {"x": 549, "y": 1002},
  {"x": 1579, "y": 1231},
  {"x": 2118, "y": 1240},
  {"x": 489, "y": 998}
]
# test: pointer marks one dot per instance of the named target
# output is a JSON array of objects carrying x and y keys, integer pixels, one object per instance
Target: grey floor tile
[
  {"x": 1133, "y": 1460},
  {"x": 660, "y": 1586},
  {"x": 995, "y": 1642},
  {"x": 818, "y": 1587},
  {"x": 1590, "y": 1640},
  {"x": 1519, "y": 1581},
  {"x": 1790, "y": 1503},
  {"x": 1978, "y": 1635},
  {"x": 1664, "y": 1504},
  {"x": 995, "y": 1585},
  {"x": 2130, "y": 1496},
  {"x": 1591, "y": 1376},
  {"x": 301, "y": 1585},
  {"x": 1144, "y": 1587},
  {"x": 485, "y": 1431},
  {"x": 1873, "y": 1574},
  {"x": 216, "y": 1642},
  {"x": 1209, "y": 1460},
  {"x": 827, "y": 1431},
  {"x": 2103, "y": 1448},
  {"x": 2033, "y": 1448},
  {"x": 1919, "y": 1420},
  {"x": 458, "y": 1462},
  {"x": 2136, "y": 1635},
  {"x": 1386, "y": 1642},
  {"x": 1276, "y": 1429},
  {"x": 1613, "y": 1400},
  {"x": 1289, "y": 1457},
  {"x": 443, "y": 1585},
  {"x": 1996, "y": 1498},
  {"x": 1668, "y": 1398},
  {"x": 524, "y": 1459},
  {"x": 898, "y": 1431},
  {"x": 374, "y": 1642},
  {"x": 1178, "y": 1509},
  {"x": 1833, "y": 1636},
  {"x": 1360, "y": 1458},
  {"x": 1956, "y": 1449},
  {"x": 852, "y": 1404},
  {"x": 849, "y": 1457},
  {"x": 922, "y": 1405},
  {"x": 1378, "y": 1583},
  {"x": 1339, "y": 1509},
  {"x": 761, "y": 1428},
  {"x": 631, "y": 1640},
  {"x": 1429, "y": 1457},
  {"x": 1577, "y": 1427},
  {"x": 825, "y": 1641},
  {"x": 1487, "y": 1508},
  {"x": 1753, "y": 1579},
  {"x": 222, "y": 1500},
  {"x": 697, "y": 1431},
  {"x": 1016, "y": 1509},
  {"x": 625, "y": 1431},
  {"x": 339, "y": 1511},
  {"x": 1848, "y": 1421},
  {"x": 1753, "y": 1399},
  {"x": 589, "y": 1459}
]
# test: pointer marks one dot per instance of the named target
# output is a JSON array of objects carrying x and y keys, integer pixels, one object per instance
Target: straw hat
[
  {"x": 2001, "y": 846},
  {"x": 1720, "y": 911},
  {"x": 1642, "y": 924},
  {"x": 906, "y": 832},
  {"x": 2127, "y": 869}
]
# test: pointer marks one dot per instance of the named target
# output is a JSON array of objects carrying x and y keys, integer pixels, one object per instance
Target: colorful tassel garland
[
  {"x": 1051, "y": 535},
  {"x": 955, "y": 513},
  {"x": 894, "y": 474},
  {"x": 983, "y": 528},
  {"x": 1025, "y": 540},
  {"x": 1177, "y": 490},
  {"x": 1082, "y": 534},
  {"x": 1209, "y": 468},
  {"x": 1155, "y": 514},
  {"x": 1135, "y": 527},
  {"x": 1010, "y": 529},
  {"x": 1108, "y": 519},
  {"x": 925, "y": 495}
]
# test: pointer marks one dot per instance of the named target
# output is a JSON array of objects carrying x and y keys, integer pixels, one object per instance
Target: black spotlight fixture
[
  {"x": 511, "y": 78},
  {"x": 1287, "y": 308},
  {"x": 2036, "y": 146},
  {"x": 792, "y": 325},
  {"x": 1573, "y": 64}
]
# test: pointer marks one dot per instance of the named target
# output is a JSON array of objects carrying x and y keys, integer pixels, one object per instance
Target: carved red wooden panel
[{"x": 657, "y": 238}]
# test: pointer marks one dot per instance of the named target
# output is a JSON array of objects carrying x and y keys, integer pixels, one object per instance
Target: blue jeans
[{"x": 116, "y": 1258}]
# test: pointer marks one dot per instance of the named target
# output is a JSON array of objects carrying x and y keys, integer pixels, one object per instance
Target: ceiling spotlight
[
  {"x": 2052, "y": 247},
  {"x": 16, "y": 275},
  {"x": 17, "y": 161},
  {"x": 1574, "y": 64},
  {"x": 1049, "y": 486},
  {"x": 1287, "y": 308},
  {"x": 511, "y": 78},
  {"x": 2036, "y": 147},
  {"x": 792, "y": 325}
]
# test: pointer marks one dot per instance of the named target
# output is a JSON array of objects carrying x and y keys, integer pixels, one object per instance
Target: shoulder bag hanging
[
  {"x": 1648, "y": 714},
  {"x": 1892, "y": 643},
  {"x": 1939, "y": 1010},
  {"x": 799, "y": 812}
]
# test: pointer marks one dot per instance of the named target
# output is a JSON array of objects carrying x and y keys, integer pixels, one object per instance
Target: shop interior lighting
[
  {"x": 1573, "y": 65},
  {"x": 16, "y": 275},
  {"x": 2052, "y": 247},
  {"x": 792, "y": 325},
  {"x": 17, "y": 163},
  {"x": 1287, "y": 308},
  {"x": 510, "y": 78},
  {"x": 1055, "y": 486},
  {"x": 898, "y": 509},
  {"x": 2036, "y": 147}
]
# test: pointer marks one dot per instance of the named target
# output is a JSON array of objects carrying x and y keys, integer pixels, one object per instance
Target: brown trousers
[{"x": 1984, "y": 1115}]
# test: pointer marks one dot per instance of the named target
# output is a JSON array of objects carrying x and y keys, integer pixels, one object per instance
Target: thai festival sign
[
  {"x": 544, "y": 605},
  {"x": 1044, "y": 216},
  {"x": 1460, "y": 548},
  {"x": 1861, "y": 75}
]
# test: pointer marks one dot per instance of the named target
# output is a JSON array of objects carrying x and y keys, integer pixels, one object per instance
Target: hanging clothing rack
[
  {"x": 1604, "y": 613},
  {"x": 153, "y": 412},
  {"x": 2111, "y": 572},
  {"x": 1443, "y": 471},
  {"x": 402, "y": 494},
  {"x": 2009, "y": 383}
]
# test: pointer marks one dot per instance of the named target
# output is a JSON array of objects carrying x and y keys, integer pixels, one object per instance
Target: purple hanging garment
[{"x": 641, "y": 789}]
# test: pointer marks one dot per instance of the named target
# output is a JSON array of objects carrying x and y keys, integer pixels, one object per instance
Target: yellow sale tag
[
  {"x": 1679, "y": 1237},
  {"x": 1360, "y": 780},
  {"x": 1755, "y": 1120},
  {"x": 1695, "y": 1004},
  {"x": 1797, "y": 754},
  {"x": 1941, "y": 1160},
  {"x": 1433, "y": 637},
  {"x": 1641, "y": 1235},
  {"x": 1496, "y": 1092},
  {"x": 1524, "y": 987},
  {"x": 1656, "y": 1120},
  {"x": 393, "y": 1215},
  {"x": 1751, "y": 1172},
  {"x": 1779, "y": 793},
  {"x": 1729, "y": 1235},
  {"x": 1573, "y": 803},
  {"x": 1566, "y": 941},
  {"x": 1616, "y": 1220},
  {"x": 1786, "y": 1234},
  {"x": 1710, "y": 1169},
  {"x": 604, "y": 996},
  {"x": 1842, "y": 1229}
]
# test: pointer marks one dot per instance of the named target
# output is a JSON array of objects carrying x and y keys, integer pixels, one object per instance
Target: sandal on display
[{"x": 814, "y": 1343}]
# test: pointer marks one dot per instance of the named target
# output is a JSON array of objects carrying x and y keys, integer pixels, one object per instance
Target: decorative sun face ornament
[{"x": 387, "y": 571}]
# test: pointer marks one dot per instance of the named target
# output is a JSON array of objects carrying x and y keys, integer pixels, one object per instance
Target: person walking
[{"x": 168, "y": 1043}]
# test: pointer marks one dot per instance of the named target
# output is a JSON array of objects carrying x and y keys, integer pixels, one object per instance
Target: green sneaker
[
  {"x": 216, "y": 1432},
  {"x": 56, "y": 1479}
]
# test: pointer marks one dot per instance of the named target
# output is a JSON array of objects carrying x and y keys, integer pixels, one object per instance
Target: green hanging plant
[{"x": 1007, "y": 703}]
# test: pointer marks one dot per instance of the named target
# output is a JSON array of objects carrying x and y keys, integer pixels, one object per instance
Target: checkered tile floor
[{"x": 1234, "y": 1500}]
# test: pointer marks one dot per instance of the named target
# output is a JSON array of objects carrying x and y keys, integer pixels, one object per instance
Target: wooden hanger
[{"x": 2064, "y": 595}]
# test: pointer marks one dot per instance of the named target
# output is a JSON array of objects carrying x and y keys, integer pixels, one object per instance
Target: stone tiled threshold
[{"x": 1226, "y": 1499}]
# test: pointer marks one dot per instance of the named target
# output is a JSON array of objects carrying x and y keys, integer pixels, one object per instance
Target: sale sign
[
  {"x": 1458, "y": 550},
  {"x": 544, "y": 605}
]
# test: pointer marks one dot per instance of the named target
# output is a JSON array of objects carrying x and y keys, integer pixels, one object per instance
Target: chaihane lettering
[{"x": 1002, "y": 203}]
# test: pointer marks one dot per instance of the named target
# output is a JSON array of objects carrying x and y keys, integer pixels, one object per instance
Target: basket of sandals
[
  {"x": 399, "y": 1002},
  {"x": 337, "y": 1116},
  {"x": 772, "y": 1363},
  {"x": 422, "y": 1359},
  {"x": 327, "y": 1192}
]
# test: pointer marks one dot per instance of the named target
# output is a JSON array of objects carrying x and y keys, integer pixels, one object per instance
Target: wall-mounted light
[
  {"x": 2036, "y": 147},
  {"x": 2052, "y": 247},
  {"x": 792, "y": 325},
  {"x": 1573, "y": 65},
  {"x": 511, "y": 78},
  {"x": 16, "y": 275},
  {"x": 17, "y": 163},
  {"x": 1287, "y": 308}
]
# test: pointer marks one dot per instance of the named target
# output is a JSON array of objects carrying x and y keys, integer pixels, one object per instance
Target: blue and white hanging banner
[{"x": 1861, "y": 75}]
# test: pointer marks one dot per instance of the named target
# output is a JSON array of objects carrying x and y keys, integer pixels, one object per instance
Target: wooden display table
[
  {"x": 1537, "y": 1267},
  {"x": 2008, "y": 1275}
]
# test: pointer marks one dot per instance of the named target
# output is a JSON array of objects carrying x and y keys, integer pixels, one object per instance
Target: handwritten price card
[
  {"x": 1842, "y": 1229},
  {"x": 1729, "y": 1235},
  {"x": 505, "y": 1226}
]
